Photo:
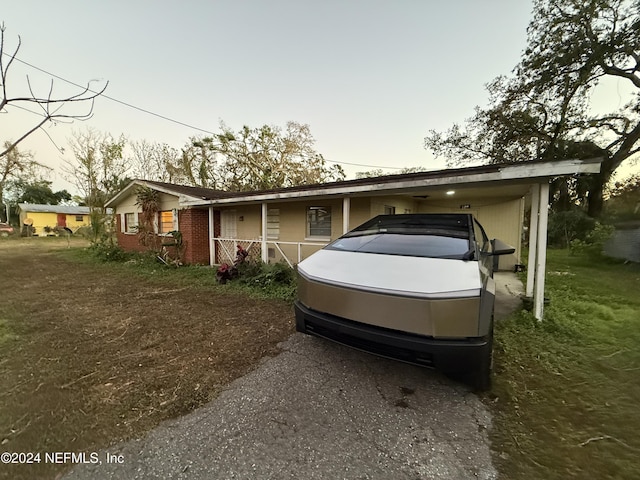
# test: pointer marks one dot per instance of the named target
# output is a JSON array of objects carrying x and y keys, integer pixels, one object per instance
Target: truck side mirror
[{"x": 501, "y": 248}]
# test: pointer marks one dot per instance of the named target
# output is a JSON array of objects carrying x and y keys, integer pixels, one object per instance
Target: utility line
[
  {"x": 148, "y": 112},
  {"x": 114, "y": 99}
]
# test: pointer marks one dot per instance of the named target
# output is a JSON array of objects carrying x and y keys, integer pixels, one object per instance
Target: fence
[{"x": 290, "y": 252}]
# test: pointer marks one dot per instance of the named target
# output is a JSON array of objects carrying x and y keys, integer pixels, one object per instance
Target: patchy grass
[
  {"x": 257, "y": 280},
  {"x": 566, "y": 390},
  {"x": 92, "y": 353}
]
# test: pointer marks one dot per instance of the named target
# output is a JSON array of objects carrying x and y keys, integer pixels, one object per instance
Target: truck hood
[{"x": 394, "y": 274}]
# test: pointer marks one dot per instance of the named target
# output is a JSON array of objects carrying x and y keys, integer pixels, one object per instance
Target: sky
[{"x": 370, "y": 77}]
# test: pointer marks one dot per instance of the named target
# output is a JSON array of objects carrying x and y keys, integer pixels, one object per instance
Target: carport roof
[{"x": 505, "y": 179}]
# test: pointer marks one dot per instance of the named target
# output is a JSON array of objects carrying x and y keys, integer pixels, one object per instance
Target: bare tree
[
  {"x": 48, "y": 107},
  {"x": 154, "y": 161},
  {"x": 99, "y": 170}
]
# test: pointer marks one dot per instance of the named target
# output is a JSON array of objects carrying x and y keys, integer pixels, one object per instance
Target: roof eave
[
  {"x": 126, "y": 191},
  {"x": 525, "y": 172}
]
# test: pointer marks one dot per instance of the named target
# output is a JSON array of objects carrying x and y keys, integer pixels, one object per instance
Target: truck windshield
[{"x": 434, "y": 245}]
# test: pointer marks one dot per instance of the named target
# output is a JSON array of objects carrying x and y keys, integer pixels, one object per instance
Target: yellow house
[{"x": 44, "y": 218}]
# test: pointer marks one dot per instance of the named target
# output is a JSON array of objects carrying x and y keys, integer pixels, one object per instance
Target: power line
[
  {"x": 149, "y": 112},
  {"x": 163, "y": 117}
]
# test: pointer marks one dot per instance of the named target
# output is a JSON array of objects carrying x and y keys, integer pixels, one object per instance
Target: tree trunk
[{"x": 595, "y": 201}]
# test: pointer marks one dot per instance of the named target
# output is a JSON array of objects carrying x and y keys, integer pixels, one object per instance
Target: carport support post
[
  {"x": 533, "y": 239},
  {"x": 541, "y": 251},
  {"x": 346, "y": 210},
  {"x": 212, "y": 236},
  {"x": 265, "y": 252}
]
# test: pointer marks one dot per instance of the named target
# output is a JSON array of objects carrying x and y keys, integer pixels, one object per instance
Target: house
[
  {"x": 289, "y": 224},
  {"x": 44, "y": 218}
]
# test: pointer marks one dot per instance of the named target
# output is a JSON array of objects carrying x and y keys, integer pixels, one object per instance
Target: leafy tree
[
  {"x": 567, "y": 226},
  {"x": 39, "y": 192},
  {"x": 50, "y": 108},
  {"x": 12, "y": 165},
  {"x": 543, "y": 112},
  {"x": 378, "y": 172},
  {"x": 197, "y": 165},
  {"x": 624, "y": 199},
  {"x": 258, "y": 159}
]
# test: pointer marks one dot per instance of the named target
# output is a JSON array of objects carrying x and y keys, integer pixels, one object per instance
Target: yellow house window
[
  {"x": 165, "y": 225},
  {"x": 79, "y": 218}
]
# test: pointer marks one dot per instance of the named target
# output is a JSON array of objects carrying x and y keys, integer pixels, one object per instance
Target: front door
[{"x": 62, "y": 220}]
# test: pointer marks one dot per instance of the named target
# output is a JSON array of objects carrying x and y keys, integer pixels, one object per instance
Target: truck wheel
[{"x": 482, "y": 375}]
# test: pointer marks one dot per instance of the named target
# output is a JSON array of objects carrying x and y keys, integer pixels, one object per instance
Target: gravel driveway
[
  {"x": 323, "y": 411},
  {"x": 318, "y": 411}
]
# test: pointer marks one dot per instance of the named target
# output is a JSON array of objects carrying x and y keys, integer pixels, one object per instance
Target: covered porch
[{"x": 498, "y": 195}]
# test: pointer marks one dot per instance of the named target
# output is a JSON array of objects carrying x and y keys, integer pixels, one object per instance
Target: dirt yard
[{"x": 90, "y": 355}]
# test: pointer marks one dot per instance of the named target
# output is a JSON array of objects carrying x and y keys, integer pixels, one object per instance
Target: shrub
[
  {"x": 566, "y": 227},
  {"x": 84, "y": 231},
  {"x": 108, "y": 252},
  {"x": 593, "y": 244},
  {"x": 276, "y": 279}
]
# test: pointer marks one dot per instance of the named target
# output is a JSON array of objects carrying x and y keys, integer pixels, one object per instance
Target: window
[
  {"x": 165, "y": 224},
  {"x": 273, "y": 223},
  {"x": 319, "y": 222},
  {"x": 130, "y": 222},
  {"x": 389, "y": 210},
  {"x": 79, "y": 218},
  {"x": 228, "y": 224}
]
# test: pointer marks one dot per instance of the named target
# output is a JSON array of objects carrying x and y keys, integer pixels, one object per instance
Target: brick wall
[
  {"x": 128, "y": 242},
  {"x": 194, "y": 225}
]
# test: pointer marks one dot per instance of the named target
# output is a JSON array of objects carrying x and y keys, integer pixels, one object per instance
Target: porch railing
[{"x": 290, "y": 252}]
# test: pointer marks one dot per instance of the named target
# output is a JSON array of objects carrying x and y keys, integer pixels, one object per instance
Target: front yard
[
  {"x": 91, "y": 353},
  {"x": 567, "y": 390}
]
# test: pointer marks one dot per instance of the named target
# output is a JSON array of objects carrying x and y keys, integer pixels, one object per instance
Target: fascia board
[
  {"x": 524, "y": 171},
  {"x": 123, "y": 193},
  {"x": 182, "y": 198}
]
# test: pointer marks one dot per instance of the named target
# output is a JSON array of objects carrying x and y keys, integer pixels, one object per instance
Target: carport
[{"x": 526, "y": 182}]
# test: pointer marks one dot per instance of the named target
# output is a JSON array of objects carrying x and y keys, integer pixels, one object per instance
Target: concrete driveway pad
[{"x": 318, "y": 411}]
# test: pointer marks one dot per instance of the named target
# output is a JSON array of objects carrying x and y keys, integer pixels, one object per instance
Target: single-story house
[
  {"x": 288, "y": 224},
  {"x": 44, "y": 217}
]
